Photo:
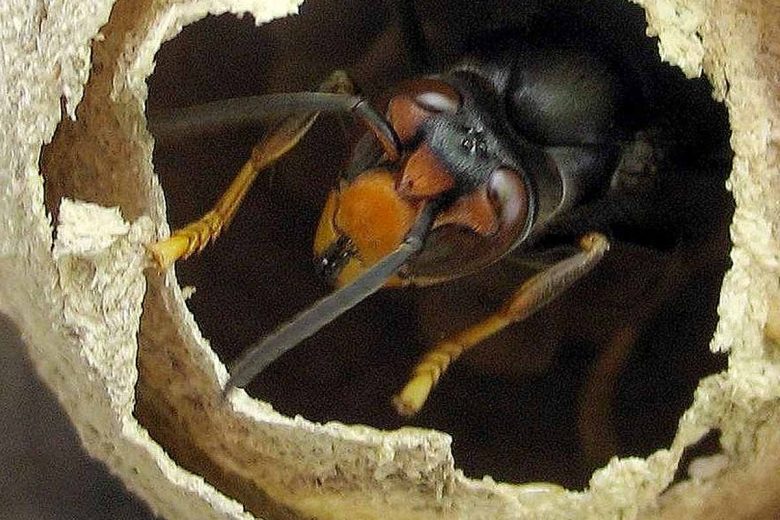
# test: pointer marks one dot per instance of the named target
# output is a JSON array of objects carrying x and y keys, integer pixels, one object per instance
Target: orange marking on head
[
  {"x": 406, "y": 116},
  {"x": 355, "y": 268},
  {"x": 424, "y": 175},
  {"x": 372, "y": 213},
  {"x": 474, "y": 211},
  {"x": 326, "y": 230}
]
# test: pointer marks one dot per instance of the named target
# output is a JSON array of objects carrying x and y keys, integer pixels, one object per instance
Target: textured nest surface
[{"x": 94, "y": 321}]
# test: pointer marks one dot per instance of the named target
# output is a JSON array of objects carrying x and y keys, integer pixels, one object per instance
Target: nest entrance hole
[
  {"x": 525, "y": 406},
  {"x": 532, "y": 411}
]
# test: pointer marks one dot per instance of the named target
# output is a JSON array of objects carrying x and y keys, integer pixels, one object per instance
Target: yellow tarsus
[
  {"x": 531, "y": 295},
  {"x": 434, "y": 364},
  {"x": 197, "y": 235}
]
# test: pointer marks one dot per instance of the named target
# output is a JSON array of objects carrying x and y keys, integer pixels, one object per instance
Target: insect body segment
[{"x": 495, "y": 155}]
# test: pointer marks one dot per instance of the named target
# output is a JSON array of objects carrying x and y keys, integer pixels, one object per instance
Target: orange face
[
  {"x": 362, "y": 222},
  {"x": 368, "y": 218}
]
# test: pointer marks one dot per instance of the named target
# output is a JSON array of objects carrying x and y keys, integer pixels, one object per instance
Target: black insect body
[
  {"x": 528, "y": 149},
  {"x": 545, "y": 126}
]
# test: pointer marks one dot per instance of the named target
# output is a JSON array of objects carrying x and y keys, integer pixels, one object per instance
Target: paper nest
[{"x": 79, "y": 299}]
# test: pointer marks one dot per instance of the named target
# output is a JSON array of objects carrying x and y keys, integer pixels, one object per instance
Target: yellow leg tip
[
  {"x": 165, "y": 252},
  {"x": 411, "y": 399}
]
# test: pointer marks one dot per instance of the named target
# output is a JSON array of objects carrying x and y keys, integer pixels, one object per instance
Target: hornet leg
[
  {"x": 530, "y": 297},
  {"x": 273, "y": 145}
]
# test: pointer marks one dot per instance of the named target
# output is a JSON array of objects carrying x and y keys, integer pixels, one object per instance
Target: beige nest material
[{"x": 73, "y": 280}]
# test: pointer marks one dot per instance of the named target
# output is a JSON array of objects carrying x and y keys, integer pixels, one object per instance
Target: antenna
[{"x": 265, "y": 351}]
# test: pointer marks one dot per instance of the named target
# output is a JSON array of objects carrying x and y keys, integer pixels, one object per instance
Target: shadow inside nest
[{"x": 605, "y": 370}]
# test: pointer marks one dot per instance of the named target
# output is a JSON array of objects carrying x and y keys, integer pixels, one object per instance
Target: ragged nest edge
[{"x": 79, "y": 299}]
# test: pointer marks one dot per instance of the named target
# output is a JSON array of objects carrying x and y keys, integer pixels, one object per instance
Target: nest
[{"x": 121, "y": 351}]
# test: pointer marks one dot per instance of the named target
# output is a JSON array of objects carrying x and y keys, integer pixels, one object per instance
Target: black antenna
[
  {"x": 244, "y": 111},
  {"x": 265, "y": 351}
]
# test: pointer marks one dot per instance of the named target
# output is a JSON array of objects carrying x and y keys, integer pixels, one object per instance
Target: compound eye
[
  {"x": 463, "y": 243},
  {"x": 435, "y": 96},
  {"x": 417, "y": 101},
  {"x": 509, "y": 196}
]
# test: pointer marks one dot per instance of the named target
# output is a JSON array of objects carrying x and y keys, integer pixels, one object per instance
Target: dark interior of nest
[{"x": 605, "y": 370}]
